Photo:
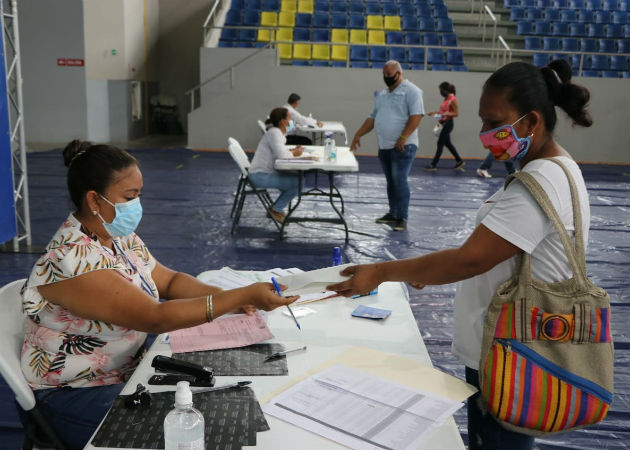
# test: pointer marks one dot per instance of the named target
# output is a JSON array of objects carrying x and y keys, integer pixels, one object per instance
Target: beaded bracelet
[{"x": 209, "y": 310}]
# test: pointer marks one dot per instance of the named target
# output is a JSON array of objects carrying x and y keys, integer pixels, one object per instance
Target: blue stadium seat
[
  {"x": 251, "y": 18},
  {"x": 462, "y": 68},
  {"x": 596, "y": 30},
  {"x": 424, "y": 10},
  {"x": 575, "y": 61},
  {"x": 588, "y": 45},
  {"x": 271, "y": 5},
  {"x": 620, "y": 17},
  {"x": 356, "y": 7},
  {"x": 440, "y": 11},
  {"x": 590, "y": 73},
  {"x": 233, "y": 18},
  {"x": 567, "y": 15},
  {"x": 390, "y": 9},
  {"x": 614, "y": 30},
  {"x": 570, "y": 44},
  {"x": 247, "y": 44},
  {"x": 576, "y": 4},
  {"x": 442, "y": 67},
  {"x": 623, "y": 46},
  {"x": 586, "y": 16},
  {"x": 321, "y": 20},
  {"x": 560, "y": 3},
  {"x": 398, "y": 54},
  {"x": 301, "y": 35},
  {"x": 610, "y": 5},
  {"x": 551, "y": 43},
  {"x": 556, "y": 56},
  {"x": 247, "y": 34},
  {"x": 602, "y": 17},
  {"x": 322, "y": 6},
  {"x": 542, "y": 28},
  {"x": 607, "y": 46},
  {"x": 517, "y": 13},
  {"x": 358, "y": 53},
  {"x": 338, "y": 64},
  {"x": 339, "y": 7},
  {"x": 524, "y": 27},
  {"x": 449, "y": 39},
  {"x": 510, "y": 3},
  {"x": 560, "y": 29},
  {"x": 340, "y": 20},
  {"x": 300, "y": 63},
  {"x": 410, "y": 23},
  {"x": 303, "y": 20},
  {"x": 552, "y": 15},
  {"x": 577, "y": 29},
  {"x": 528, "y": 3},
  {"x": 431, "y": 39},
  {"x": 407, "y": 9},
  {"x": 359, "y": 64},
  {"x": 373, "y": 9},
  {"x": 427, "y": 24},
  {"x": 598, "y": 62},
  {"x": 378, "y": 53},
  {"x": 544, "y": 3},
  {"x": 435, "y": 56},
  {"x": 445, "y": 25},
  {"x": 540, "y": 59},
  {"x": 357, "y": 21},
  {"x": 534, "y": 13},
  {"x": 224, "y": 44},
  {"x": 625, "y": 74},
  {"x": 532, "y": 43},
  {"x": 229, "y": 34},
  {"x": 321, "y": 36},
  {"x": 378, "y": 64},
  {"x": 619, "y": 62},
  {"x": 610, "y": 74},
  {"x": 416, "y": 56},
  {"x": 413, "y": 38},
  {"x": 255, "y": 5},
  {"x": 320, "y": 64},
  {"x": 593, "y": 4},
  {"x": 454, "y": 57},
  {"x": 394, "y": 37},
  {"x": 626, "y": 31},
  {"x": 416, "y": 66}
]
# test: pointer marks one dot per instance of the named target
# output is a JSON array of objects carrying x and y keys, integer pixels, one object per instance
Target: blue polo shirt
[{"x": 391, "y": 113}]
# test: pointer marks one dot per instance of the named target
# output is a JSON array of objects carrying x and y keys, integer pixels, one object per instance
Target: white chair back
[
  {"x": 11, "y": 338},
  {"x": 239, "y": 156},
  {"x": 262, "y": 126}
]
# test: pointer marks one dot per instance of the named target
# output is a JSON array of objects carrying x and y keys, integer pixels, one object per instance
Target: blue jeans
[
  {"x": 396, "y": 166},
  {"x": 445, "y": 140},
  {"x": 487, "y": 163},
  {"x": 484, "y": 432},
  {"x": 287, "y": 183},
  {"x": 75, "y": 413}
]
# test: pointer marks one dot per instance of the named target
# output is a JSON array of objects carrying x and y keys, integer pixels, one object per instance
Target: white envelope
[{"x": 313, "y": 281}]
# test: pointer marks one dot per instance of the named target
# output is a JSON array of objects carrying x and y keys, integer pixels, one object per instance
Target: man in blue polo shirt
[{"x": 397, "y": 112}]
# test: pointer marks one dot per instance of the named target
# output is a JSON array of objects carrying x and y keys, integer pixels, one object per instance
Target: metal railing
[
  {"x": 210, "y": 18},
  {"x": 507, "y": 53}
]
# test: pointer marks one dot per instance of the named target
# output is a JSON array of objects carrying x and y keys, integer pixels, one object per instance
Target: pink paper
[{"x": 228, "y": 332}]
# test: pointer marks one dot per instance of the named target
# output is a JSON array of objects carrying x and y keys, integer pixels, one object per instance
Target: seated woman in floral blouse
[{"x": 93, "y": 295}]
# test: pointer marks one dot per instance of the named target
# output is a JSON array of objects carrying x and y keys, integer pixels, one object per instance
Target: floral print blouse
[{"x": 61, "y": 349}]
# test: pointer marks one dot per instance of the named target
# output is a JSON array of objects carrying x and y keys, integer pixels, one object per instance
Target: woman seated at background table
[
  {"x": 270, "y": 148},
  {"x": 92, "y": 297}
]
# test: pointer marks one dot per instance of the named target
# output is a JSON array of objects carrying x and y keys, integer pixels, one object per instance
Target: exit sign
[{"x": 70, "y": 62}]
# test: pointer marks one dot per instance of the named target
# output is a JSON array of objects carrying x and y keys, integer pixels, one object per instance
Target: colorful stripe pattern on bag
[
  {"x": 554, "y": 327},
  {"x": 523, "y": 393}
]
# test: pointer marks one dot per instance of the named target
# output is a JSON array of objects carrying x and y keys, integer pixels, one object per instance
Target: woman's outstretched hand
[
  {"x": 363, "y": 280},
  {"x": 263, "y": 296}
]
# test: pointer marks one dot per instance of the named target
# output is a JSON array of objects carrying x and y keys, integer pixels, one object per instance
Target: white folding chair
[
  {"x": 262, "y": 126},
  {"x": 245, "y": 186},
  {"x": 37, "y": 429}
]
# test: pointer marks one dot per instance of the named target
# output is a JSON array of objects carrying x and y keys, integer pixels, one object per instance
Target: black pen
[
  {"x": 279, "y": 354},
  {"x": 238, "y": 384}
]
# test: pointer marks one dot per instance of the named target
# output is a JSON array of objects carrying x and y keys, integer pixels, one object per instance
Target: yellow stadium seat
[
  {"x": 285, "y": 50},
  {"x": 392, "y": 23},
  {"x": 339, "y": 53},
  {"x": 321, "y": 52},
  {"x": 284, "y": 34},
  {"x": 305, "y": 6},
  {"x": 288, "y": 5},
  {"x": 376, "y": 37},
  {"x": 265, "y": 35},
  {"x": 358, "y": 37},
  {"x": 301, "y": 51},
  {"x": 268, "y": 19},
  {"x": 286, "y": 19},
  {"x": 374, "y": 22},
  {"x": 339, "y": 35}
]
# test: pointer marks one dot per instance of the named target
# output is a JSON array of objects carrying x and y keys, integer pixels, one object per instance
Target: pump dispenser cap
[{"x": 183, "y": 395}]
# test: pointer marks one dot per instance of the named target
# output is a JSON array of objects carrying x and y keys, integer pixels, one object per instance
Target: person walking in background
[
  {"x": 482, "y": 171},
  {"x": 449, "y": 109},
  {"x": 293, "y": 138},
  {"x": 397, "y": 112}
]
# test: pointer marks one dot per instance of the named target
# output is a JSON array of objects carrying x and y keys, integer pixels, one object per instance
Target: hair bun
[{"x": 73, "y": 150}]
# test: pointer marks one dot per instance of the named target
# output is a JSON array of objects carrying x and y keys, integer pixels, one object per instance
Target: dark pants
[
  {"x": 75, "y": 413},
  {"x": 445, "y": 140},
  {"x": 294, "y": 139},
  {"x": 396, "y": 166},
  {"x": 487, "y": 163},
  {"x": 484, "y": 432}
]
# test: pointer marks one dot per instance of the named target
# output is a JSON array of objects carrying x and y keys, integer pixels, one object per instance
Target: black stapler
[{"x": 177, "y": 370}]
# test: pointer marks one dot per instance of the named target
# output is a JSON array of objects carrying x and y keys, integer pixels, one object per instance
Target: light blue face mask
[
  {"x": 291, "y": 126},
  {"x": 128, "y": 216}
]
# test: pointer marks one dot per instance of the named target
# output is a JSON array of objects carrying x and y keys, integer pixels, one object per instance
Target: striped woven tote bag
[{"x": 547, "y": 353}]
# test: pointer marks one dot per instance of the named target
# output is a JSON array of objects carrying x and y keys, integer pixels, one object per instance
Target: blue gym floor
[{"x": 187, "y": 200}]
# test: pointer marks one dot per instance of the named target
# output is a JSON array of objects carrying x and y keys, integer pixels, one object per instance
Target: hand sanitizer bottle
[
  {"x": 184, "y": 426},
  {"x": 328, "y": 146}
]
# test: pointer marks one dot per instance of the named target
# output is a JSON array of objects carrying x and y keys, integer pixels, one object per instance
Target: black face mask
[{"x": 390, "y": 81}]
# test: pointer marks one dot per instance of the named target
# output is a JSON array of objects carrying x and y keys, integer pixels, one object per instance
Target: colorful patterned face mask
[{"x": 504, "y": 143}]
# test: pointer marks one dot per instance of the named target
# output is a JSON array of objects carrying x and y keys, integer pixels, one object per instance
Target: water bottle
[
  {"x": 336, "y": 256},
  {"x": 184, "y": 426},
  {"x": 333, "y": 151},
  {"x": 328, "y": 146}
]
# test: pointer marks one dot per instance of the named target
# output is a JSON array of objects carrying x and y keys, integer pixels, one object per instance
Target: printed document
[{"x": 362, "y": 411}]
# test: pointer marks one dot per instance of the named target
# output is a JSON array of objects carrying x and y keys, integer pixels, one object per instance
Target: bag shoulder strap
[{"x": 575, "y": 253}]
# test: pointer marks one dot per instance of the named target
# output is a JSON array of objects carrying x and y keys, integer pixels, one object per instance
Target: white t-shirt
[
  {"x": 299, "y": 119},
  {"x": 271, "y": 147},
  {"x": 514, "y": 215}
]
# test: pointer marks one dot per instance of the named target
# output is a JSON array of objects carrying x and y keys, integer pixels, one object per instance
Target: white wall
[{"x": 347, "y": 95}]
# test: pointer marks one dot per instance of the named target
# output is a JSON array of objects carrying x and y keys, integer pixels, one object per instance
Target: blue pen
[
  {"x": 279, "y": 291},
  {"x": 374, "y": 292}
]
